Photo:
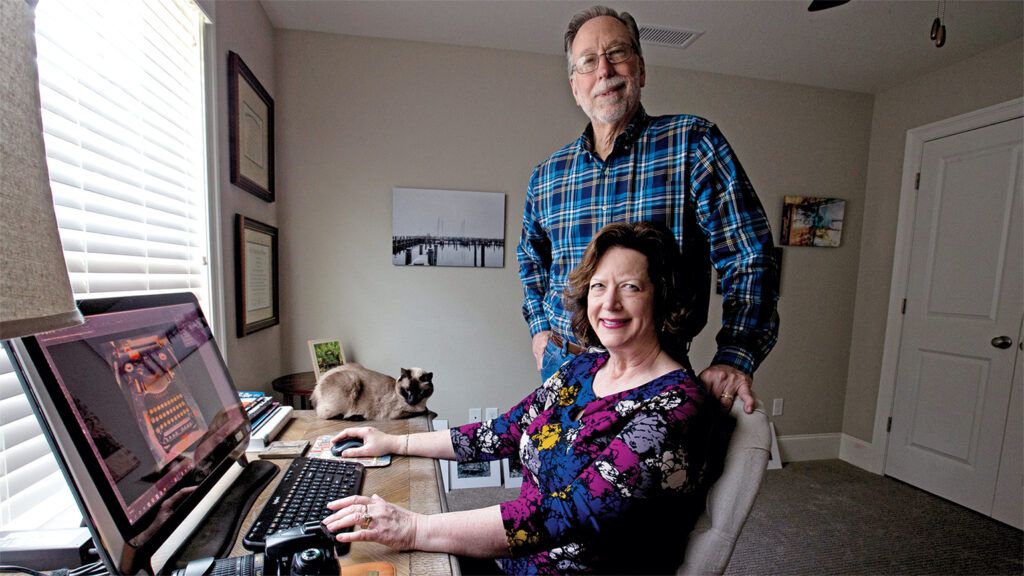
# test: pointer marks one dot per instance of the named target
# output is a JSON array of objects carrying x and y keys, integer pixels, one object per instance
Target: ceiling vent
[{"x": 671, "y": 37}]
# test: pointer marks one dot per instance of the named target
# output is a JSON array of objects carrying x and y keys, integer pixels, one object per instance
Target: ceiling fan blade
[{"x": 817, "y": 5}]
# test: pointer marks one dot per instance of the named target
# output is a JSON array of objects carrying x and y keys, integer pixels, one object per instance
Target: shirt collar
[{"x": 629, "y": 135}]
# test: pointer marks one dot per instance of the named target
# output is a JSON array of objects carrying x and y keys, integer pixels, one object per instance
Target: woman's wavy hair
[{"x": 672, "y": 304}]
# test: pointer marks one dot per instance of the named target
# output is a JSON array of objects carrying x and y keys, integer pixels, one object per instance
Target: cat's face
[{"x": 415, "y": 385}]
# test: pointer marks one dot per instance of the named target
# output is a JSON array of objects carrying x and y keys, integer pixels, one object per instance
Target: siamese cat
[{"x": 352, "y": 392}]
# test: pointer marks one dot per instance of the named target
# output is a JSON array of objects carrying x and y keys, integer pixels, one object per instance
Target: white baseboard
[
  {"x": 861, "y": 454},
  {"x": 800, "y": 447}
]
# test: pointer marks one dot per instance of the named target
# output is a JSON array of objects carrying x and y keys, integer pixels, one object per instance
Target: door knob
[{"x": 1002, "y": 342}]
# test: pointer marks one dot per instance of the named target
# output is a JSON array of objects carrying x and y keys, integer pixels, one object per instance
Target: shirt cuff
[
  {"x": 463, "y": 442},
  {"x": 538, "y": 325},
  {"x": 736, "y": 357}
]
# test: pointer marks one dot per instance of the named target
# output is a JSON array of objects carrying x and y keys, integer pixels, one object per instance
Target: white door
[
  {"x": 1009, "y": 502},
  {"x": 963, "y": 310}
]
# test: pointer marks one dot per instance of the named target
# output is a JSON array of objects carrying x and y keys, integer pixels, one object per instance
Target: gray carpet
[{"x": 829, "y": 517}]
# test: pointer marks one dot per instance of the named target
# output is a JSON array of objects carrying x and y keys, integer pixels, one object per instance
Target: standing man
[{"x": 628, "y": 166}]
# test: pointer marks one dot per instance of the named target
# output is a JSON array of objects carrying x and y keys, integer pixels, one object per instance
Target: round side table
[{"x": 299, "y": 384}]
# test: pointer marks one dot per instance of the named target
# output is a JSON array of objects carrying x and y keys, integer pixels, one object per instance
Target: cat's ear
[
  {"x": 427, "y": 377},
  {"x": 405, "y": 372}
]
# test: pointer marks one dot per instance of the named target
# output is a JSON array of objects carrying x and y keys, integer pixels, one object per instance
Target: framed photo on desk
[
  {"x": 256, "y": 294},
  {"x": 326, "y": 353}
]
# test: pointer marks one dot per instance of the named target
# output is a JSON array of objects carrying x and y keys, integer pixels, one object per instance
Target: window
[{"x": 122, "y": 91}]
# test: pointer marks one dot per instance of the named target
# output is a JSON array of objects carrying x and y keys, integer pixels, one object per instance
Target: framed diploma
[
  {"x": 251, "y": 131},
  {"x": 256, "y": 294}
]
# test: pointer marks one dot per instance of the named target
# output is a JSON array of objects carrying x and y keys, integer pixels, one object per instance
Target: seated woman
[{"x": 611, "y": 445}]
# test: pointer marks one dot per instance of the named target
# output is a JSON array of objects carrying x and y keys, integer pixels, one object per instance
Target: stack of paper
[{"x": 268, "y": 417}]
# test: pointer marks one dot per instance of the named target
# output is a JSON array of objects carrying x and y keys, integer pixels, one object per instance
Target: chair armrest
[{"x": 731, "y": 497}]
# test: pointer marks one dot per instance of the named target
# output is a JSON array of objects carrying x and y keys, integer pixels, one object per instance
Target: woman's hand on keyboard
[{"x": 372, "y": 520}]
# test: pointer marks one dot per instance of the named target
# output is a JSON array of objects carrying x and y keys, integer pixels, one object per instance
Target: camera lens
[{"x": 313, "y": 561}]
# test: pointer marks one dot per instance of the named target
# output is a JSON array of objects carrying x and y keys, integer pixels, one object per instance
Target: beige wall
[
  {"x": 357, "y": 117},
  {"x": 990, "y": 78},
  {"x": 243, "y": 27}
]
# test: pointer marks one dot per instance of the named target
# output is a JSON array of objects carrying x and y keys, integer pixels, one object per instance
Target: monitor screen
[{"x": 142, "y": 412}]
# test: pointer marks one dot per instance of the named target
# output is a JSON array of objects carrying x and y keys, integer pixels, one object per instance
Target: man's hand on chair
[{"x": 726, "y": 383}]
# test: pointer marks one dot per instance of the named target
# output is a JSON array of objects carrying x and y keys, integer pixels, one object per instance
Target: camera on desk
[{"x": 298, "y": 551}]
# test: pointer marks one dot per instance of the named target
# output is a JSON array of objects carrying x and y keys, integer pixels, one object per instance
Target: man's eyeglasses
[{"x": 588, "y": 62}]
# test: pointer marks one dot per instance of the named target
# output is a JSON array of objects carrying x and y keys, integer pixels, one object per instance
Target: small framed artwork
[
  {"x": 474, "y": 474},
  {"x": 256, "y": 293},
  {"x": 512, "y": 470},
  {"x": 812, "y": 221},
  {"x": 326, "y": 353},
  {"x": 251, "y": 131}
]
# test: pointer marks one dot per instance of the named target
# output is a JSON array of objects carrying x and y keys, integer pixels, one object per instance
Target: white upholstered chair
[{"x": 731, "y": 496}]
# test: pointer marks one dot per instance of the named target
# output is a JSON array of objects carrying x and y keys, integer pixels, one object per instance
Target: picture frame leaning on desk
[{"x": 326, "y": 353}]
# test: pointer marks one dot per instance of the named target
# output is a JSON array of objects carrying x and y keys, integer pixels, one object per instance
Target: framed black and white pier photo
[{"x": 447, "y": 228}]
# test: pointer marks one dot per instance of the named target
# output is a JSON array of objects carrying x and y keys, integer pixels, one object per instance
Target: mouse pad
[{"x": 322, "y": 449}]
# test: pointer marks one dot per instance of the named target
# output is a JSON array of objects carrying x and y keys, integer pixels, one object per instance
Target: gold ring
[
  {"x": 726, "y": 396},
  {"x": 365, "y": 521}
]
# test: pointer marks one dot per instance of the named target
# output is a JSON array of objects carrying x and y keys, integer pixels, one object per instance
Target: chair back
[{"x": 732, "y": 495}]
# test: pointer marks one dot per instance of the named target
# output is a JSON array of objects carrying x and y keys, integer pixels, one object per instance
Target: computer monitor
[{"x": 143, "y": 418}]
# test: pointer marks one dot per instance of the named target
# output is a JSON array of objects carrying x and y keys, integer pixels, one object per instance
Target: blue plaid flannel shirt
[{"x": 678, "y": 170}]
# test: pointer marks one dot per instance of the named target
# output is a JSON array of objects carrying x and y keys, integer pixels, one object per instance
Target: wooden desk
[{"x": 411, "y": 482}]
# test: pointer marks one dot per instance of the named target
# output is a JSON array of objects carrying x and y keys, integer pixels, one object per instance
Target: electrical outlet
[
  {"x": 490, "y": 413},
  {"x": 777, "y": 407},
  {"x": 474, "y": 415}
]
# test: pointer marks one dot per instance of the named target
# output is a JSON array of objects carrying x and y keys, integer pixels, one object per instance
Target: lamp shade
[{"x": 35, "y": 293}]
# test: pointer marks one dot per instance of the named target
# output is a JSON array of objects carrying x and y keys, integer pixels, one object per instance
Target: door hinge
[
  {"x": 917, "y": 181},
  {"x": 888, "y": 425},
  {"x": 903, "y": 310}
]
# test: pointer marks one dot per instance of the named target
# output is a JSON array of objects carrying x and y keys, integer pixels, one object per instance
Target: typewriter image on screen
[{"x": 146, "y": 372}]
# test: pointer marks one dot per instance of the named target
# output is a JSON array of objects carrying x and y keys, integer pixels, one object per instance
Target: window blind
[{"x": 121, "y": 86}]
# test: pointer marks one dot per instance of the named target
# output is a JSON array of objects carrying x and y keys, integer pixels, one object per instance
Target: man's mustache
[{"x": 609, "y": 84}]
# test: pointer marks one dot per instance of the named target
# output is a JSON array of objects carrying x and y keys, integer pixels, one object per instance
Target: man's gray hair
[{"x": 593, "y": 12}]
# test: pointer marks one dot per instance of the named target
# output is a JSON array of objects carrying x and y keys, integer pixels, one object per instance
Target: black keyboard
[{"x": 302, "y": 496}]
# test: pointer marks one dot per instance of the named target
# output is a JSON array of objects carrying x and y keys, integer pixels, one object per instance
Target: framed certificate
[
  {"x": 256, "y": 293},
  {"x": 251, "y": 131}
]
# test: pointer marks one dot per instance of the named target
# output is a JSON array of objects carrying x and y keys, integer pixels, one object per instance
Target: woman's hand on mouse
[{"x": 375, "y": 442}]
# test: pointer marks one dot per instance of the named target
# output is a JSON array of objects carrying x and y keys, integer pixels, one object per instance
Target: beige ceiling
[{"x": 865, "y": 45}]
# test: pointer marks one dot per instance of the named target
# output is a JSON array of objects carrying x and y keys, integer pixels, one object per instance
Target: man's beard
[{"x": 612, "y": 110}]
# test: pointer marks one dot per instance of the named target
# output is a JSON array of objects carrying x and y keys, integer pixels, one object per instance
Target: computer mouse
[{"x": 342, "y": 445}]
